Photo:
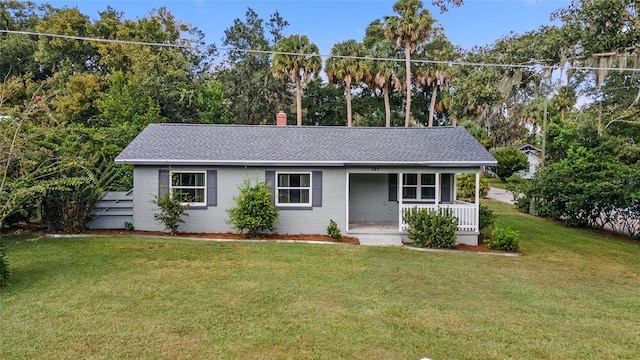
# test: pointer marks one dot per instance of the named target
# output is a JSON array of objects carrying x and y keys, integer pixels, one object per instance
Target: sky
[{"x": 326, "y": 22}]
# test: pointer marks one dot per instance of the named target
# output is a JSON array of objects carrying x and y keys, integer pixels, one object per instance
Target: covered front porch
[{"x": 376, "y": 200}]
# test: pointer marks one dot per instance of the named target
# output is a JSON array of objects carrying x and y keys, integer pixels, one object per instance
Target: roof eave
[{"x": 167, "y": 162}]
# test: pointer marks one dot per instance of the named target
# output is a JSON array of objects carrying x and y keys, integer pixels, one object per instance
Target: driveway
[{"x": 505, "y": 196}]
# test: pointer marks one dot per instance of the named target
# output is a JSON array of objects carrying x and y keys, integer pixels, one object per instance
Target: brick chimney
[{"x": 281, "y": 118}]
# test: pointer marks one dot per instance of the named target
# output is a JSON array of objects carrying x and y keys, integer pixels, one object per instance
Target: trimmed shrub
[
  {"x": 255, "y": 211},
  {"x": 171, "y": 212},
  {"x": 467, "y": 186},
  {"x": 4, "y": 267},
  {"x": 504, "y": 239},
  {"x": 428, "y": 228},
  {"x": 333, "y": 231}
]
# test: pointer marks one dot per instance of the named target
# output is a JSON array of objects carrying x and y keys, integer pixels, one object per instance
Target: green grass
[
  {"x": 574, "y": 295},
  {"x": 495, "y": 182}
]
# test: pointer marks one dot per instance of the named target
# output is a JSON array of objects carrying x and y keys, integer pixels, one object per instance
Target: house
[
  {"x": 533, "y": 161},
  {"x": 362, "y": 178}
]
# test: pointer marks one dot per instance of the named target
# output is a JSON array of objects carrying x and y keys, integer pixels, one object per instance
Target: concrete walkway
[{"x": 505, "y": 196}]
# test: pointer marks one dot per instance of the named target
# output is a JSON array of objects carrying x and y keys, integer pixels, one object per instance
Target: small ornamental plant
[
  {"x": 504, "y": 239},
  {"x": 333, "y": 231},
  {"x": 171, "y": 212},
  {"x": 255, "y": 211}
]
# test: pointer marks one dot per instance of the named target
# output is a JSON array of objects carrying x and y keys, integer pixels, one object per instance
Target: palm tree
[
  {"x": 346, "y": 65},
  {"x": 385, "y": 73},
  {"x": 411, "y": 27},
  {"x": 435, "y": 76},
  {"x": 298, "y": 68}
]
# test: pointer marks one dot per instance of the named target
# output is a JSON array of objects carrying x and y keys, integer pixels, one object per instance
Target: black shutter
[
  {"x": 270, "y": 179},
  {"x": 212, "y": 188},
  {"x": 316, "y": 191},
  {"x": 393, "y": 187},
  {"x": 445, "y": 188},
  {"x": 163, "y": 182}
]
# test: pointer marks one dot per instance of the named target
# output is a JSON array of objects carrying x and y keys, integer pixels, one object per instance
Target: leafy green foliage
[
  {"x": 247, "y": 77},
  {"x": 171, "y": 211},
  {"x": 4, "y": 266},
  {"x": 254, "y": 212},
  {"x": 128, "y": 226},
  {"x": 467, "y": 186},
  {"x": 428, "y": 228},
  {"x": 504, "y": 239},
  {"x": 510, "y": 160},
  {"x": 333, "y": 231},
  {"x": 487, "y": 217}
]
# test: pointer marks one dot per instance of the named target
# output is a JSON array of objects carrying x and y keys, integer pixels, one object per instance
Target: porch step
[{"x": 379, "y": 239}]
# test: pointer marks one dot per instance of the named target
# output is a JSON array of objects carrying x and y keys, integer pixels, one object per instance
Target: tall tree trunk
[
  {"x": 298, "y": 101},
  {"x": 432, "y": 105},
  {"x": 347, "y": 90},
  {"x": 387, "y": 107},
  {"x": 407, "y": 66}
]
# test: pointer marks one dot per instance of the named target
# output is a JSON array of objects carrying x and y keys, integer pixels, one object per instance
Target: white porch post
[
  {"x": 438, "y": 195},
  {"x": 455, "y": 187},
  {"x": 477, "y": 202},
  {"x": 399, "y": 181},
  {"x": 347, "y": 203}
]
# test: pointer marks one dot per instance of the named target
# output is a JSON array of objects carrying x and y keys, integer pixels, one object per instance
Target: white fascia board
[{"x": 303, "y": 163}]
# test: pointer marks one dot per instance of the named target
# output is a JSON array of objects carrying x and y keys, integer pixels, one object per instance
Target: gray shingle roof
[{"x": 183, "y": 144}]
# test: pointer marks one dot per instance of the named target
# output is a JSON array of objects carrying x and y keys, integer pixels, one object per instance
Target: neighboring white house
[
  {"x": 357, "y": 176},
  {"x": 533, "y": 161}
]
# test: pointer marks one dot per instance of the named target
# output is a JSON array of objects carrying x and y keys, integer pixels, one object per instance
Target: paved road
[{"x": 501, "y": 195}]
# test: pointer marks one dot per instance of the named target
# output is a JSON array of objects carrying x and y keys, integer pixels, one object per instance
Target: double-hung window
[
  {"x": 419, "y": 187},
  {"x": 189, "y": 187},
  {"x": 293, "y": 189}
]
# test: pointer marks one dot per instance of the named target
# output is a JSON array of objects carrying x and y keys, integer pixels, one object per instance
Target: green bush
[
  {"x": 428, "y": 228},
  {"x": 519, "y": 187},
  {"x": 487, "y": 217},
  {"x": 333, "y": 231},
  {"x": 510, "y": 160},
  {"x": 504, "y": 239},
  {"x": 4, "y": 267},
  {"x": 171, "y": 212},
  {"x": 69, "y": 209},
  {"x": 128, "y": 226},
  {"x": 467, "y": 186},
  {"x": 254, "y": 212}
]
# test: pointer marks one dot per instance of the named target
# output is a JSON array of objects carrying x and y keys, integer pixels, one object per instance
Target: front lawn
[{"x": 573, "y": 295}]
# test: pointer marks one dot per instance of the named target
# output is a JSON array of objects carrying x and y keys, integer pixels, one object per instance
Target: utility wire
[
  {"x": 272, "y": 52},
  {"x": 91, "y": 39}
]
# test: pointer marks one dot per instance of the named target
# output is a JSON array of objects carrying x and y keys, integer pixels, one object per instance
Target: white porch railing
[{"x": 465, "y": 212}]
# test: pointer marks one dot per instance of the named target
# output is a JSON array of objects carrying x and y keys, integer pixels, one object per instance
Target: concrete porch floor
[{"x": 376, "y": 233}]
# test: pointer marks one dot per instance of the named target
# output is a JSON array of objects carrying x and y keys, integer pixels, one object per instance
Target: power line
[
  {"x": 91, "y": 39},
  {"x": 273, "y": 52}
]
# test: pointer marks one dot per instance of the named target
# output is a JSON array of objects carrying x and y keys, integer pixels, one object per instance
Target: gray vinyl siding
[
  {"x": 214, "y": 218},
  {"x": 370, "y": 198}
]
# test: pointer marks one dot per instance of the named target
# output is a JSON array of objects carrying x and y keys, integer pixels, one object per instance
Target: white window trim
[
  {"x": 204, "y": 198},
  {"x": 278, "y": 188},
  {"x": 419, "y": 187}
]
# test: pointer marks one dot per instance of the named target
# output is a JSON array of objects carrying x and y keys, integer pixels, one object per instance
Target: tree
[
  {"x": 254, "y": 94},
  {"x": 435, "y": 75},
  {"x": 412, "y": 26},
  {"x": 297, "y": 68},
  {"x": 510, "y": 160},
  {"x": 385, "y": 74},
  {"x": 346, "y": 66}
]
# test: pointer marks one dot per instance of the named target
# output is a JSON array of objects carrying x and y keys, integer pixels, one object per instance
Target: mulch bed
[{"x": 227, "y": 236}]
